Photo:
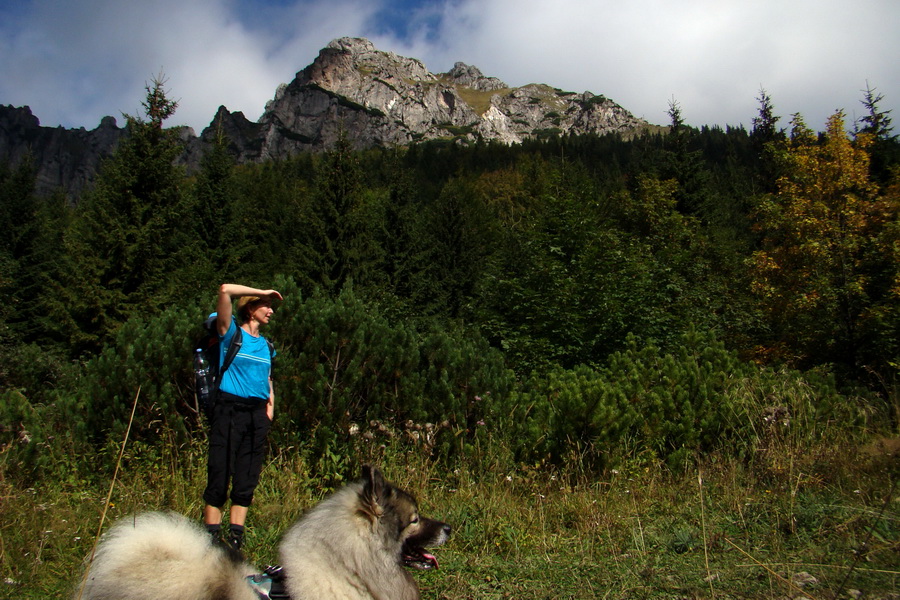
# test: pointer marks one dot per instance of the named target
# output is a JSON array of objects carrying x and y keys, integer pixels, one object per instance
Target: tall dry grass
[{"x": 801, "y": 508}]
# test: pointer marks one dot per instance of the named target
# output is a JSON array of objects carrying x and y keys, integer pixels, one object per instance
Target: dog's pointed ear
[
  {"x": 372, "y": 493},
  {"x": 373, "y": 476}
]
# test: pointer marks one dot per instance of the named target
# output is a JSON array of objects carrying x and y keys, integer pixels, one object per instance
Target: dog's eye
[{"x": 414, "y": 520}]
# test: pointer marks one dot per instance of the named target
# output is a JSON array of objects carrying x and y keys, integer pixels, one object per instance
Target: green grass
[
  {"x": 725, "y": 528},
  {"x": 479, "y": 100},
  {"x": 644, "y": 537}
]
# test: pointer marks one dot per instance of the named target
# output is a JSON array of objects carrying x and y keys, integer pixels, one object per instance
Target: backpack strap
[
  {"x": 271, "y": 351},
  {"x": 233, "y": 348}
]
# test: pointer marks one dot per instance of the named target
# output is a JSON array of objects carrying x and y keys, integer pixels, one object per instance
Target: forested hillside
[
  {"x": 595, "y": 356},
  {"x": 578, "y": 290}
]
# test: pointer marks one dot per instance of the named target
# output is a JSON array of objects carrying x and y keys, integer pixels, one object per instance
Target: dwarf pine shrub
[
  {"x": 347, "y": 376},
  {"x": 145, "y": 368},
  {"x": 698, "y": 397},
  {"x": 344, "y": 370}
]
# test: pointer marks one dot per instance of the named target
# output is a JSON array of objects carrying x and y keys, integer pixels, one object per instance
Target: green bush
[
  {"x": 347, "y": 375},
  {"x": 698, "y": 397},
  {"x": 344, "y": 370},
  {"x": 146, "y": 368}
]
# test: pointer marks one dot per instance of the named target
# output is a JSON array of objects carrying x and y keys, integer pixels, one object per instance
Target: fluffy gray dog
[{"x": 352, "y": 546}]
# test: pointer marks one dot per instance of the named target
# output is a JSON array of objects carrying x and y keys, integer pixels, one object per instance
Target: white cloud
[
  {"x": 74, "y": 61},
  {"x": 712, "y": 56}
]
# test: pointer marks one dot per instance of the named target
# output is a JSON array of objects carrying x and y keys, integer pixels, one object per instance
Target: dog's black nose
[{"x": 447, "y": 529}]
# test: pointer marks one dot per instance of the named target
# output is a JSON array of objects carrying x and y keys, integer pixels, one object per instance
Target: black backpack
[{"x": 206, "y": 385}]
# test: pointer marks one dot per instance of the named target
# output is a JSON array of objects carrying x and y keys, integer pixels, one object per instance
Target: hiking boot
[
  {"x": 214, "y": 531},
  {"x": 233, "y": 545}
]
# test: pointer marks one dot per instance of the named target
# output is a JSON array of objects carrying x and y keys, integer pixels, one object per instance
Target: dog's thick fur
[
  {"x": 163, "y": 555},
  {"x": 351, "y": 546}
]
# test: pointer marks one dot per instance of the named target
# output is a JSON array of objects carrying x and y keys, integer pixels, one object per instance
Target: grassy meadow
[{"x": 820, "y": 521}]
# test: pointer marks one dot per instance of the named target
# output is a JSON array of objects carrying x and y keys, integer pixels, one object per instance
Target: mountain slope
[{"x": 374, "y": 98}]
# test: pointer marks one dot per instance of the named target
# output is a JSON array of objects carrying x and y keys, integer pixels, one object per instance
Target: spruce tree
[
  {"x": 885, "y": 148},
  {"x": 765, "y": 137},
  {"x": 129, "y": 246},
  {"x": 458, "y": 236},
  {"x": 765, "y": 124},
  {"x": 213, "y": 196},
  {"x": 18, "y": 206},
  {"x": 875, "y": 122},
  {"x": 30, "y": 255},
  {"x": 682, "y": 162},
  {"x": 335, "y": 239}
]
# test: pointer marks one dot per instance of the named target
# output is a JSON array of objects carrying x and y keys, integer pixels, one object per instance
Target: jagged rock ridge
[
  {"x": 373, "y": 97},
  {"x": 62, "y": 158},
  {"x": 381, "y": 99}
]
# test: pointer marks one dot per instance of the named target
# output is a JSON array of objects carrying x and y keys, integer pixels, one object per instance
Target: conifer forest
[{"x": 567, "y": 304}]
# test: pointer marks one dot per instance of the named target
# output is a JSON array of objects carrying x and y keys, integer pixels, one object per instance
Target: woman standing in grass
[{"x": 242, "y": 412}]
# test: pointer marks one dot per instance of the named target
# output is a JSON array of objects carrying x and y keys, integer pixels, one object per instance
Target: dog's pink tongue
[{"x": 431, "y": 558}]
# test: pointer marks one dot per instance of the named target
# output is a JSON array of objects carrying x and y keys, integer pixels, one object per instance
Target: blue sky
[{"x": 75, "y": 61}]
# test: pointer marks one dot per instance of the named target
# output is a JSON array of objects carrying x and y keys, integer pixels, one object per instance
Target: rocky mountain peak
[
  {"x": 469, "y": 76},
  {"x": 372, "y": 97},
  {"x": 352, "y": 45},
  {"x": 381, "y": 98},
  {"x": 346, "y": 62}
]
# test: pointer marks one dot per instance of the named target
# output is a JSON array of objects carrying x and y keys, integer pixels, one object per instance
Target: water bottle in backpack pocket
[
  {"x": 206, "y": 366},
  {"x": 203, "y": 381}
]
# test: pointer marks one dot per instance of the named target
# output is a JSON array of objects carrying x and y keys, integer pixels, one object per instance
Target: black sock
[
  {"x": 236, "y": 533},
  {"x": 213, "y": 529}
]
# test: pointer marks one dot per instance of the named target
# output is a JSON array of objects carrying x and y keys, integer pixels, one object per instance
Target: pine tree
[
  {"x": 130, "y": 245},
  {"x": 213, "y": 193},
  {"x": 876, "y": 122}
]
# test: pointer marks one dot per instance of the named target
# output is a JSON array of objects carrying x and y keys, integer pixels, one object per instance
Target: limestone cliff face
[
  {"x": 62, "y": 158},
  {"x": 379, "y": 98},
  {"x": 374, "y": 98}
]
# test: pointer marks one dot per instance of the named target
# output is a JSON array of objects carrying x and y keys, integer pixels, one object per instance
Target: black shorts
[{"x": 237, "y": 449}]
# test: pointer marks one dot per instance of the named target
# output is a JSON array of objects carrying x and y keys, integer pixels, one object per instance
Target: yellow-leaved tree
[{"x": 826, "y": 269}]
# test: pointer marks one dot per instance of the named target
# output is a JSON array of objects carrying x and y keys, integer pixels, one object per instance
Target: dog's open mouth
[
  {"x": 417, "y": 558},
  {"x": 429, "y": 533}
]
